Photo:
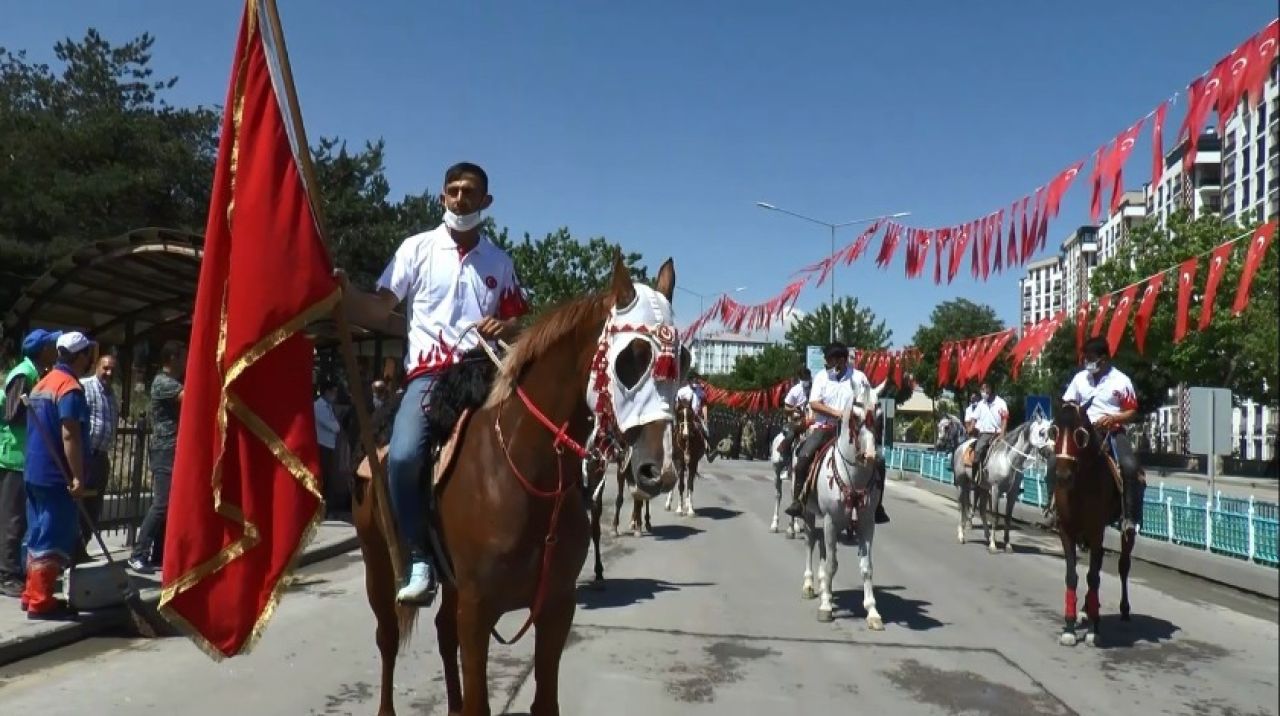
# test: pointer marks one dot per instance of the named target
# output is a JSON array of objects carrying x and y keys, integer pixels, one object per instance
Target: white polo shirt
[
  {"x": 838, "y": 392},
  {"x": 971, "y": 412},
  {"x": 446, "y": 292},
  {"x": 797, "y": 397},
  {"x": 1112, "y": 394},
  {"x": 990, "y": 416},
  {"x": 688, "y": 395}
]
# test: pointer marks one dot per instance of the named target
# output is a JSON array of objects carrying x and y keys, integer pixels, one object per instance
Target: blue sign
[
  {"x": 814, "y": 360},
  {"x": 1039, "y": 406}
]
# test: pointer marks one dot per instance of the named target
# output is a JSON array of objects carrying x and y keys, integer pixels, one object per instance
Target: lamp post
[{"x": 832, "y": 227}]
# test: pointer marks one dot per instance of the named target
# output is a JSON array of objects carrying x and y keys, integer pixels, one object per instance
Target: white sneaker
[{"x": 421, "y": 589}]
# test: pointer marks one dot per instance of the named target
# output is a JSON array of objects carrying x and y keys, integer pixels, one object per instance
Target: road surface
[{"x": 705, "y": 617}]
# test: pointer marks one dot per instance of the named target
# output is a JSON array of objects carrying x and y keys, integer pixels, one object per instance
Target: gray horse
[
  {"x": 1006, "y": 461},
  {"x": 950, "y": 433}
]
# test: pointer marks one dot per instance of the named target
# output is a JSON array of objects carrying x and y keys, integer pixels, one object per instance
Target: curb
[
  {"x": 94, "y": 623},
  {"x": 1247, "y": 577}
]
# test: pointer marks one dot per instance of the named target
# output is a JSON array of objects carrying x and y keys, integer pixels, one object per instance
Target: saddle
[
  {"x": 815, "y": 468},
  {"x": 442, "y": 455},
  {"x": 969, "y": 455}
]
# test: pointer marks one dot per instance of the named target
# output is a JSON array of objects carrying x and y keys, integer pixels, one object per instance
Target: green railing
[{"x": 1241, "y": 528}]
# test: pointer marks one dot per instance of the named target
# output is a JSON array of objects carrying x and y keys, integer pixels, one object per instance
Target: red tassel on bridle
[{"x": 665, "y": 367}]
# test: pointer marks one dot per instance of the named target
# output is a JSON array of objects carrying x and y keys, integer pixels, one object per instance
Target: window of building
[{"x": 1261, "y": 184}]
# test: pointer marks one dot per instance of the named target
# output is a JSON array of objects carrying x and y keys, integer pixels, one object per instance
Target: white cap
[{"x": 73, "y": 342}]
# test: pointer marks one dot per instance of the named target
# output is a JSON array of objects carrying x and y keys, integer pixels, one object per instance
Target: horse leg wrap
[
  {"x": 1091, "y": 605},
  {"x": 1069, "y": 607}
]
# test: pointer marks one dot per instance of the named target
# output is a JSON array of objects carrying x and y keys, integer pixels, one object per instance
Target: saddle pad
[
  {"x": 815, "y": 468},
  {"x": 968, "y": 456},
  {"x": 443, "y": 461}
]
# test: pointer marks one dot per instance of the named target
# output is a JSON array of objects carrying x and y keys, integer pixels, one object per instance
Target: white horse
[
  {"x": 783, "y": 469},
  {"x": 846, "y": 494},
  {"x": 1006, "y": 461}
]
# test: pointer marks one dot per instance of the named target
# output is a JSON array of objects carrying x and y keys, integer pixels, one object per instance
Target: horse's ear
[
  {"x": 667, "y": 279},
  {"x": 624, "y": 292}
]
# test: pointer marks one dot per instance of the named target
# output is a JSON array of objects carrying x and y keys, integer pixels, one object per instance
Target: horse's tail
[{"x": 406, "y": 618}]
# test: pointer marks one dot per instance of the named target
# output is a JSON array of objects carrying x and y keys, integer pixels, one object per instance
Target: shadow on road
[
  {"x": 717, "y": 513},
  {"x": 625, "y": 591},
  {"x": 910, "y": 613},
  {"x": 1142, "y": 629},
  {"x": 670, "y": 532}
]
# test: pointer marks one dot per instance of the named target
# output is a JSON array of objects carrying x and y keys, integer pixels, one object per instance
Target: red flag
[
  {"x": 1186, "y": 282},
  {"x": 944, "y": 365},
  {"x": 1121, "y": 317},
  {"x": 1217, "y": 265},
  {"x": 1201, "y": 95},
  {"x": 1157, "y": 144},
  {"x": 998, "y": 263},
  {"x": 1142, "y": 320},
  {"x": 942, "y": 240},
  {"x": 1104, "y": 304},
  {"x": 888, "y": 244},
  {"x": 1029, "y": 235},
  {"x": 1124, "y": 147},
  {"x": 1264, "y": 54},
  {"x": 245, "y": 492},
  {"x": 1235, "y": 70},
  {"x": 1100, "y": 156},
  {"x": 1253, "y": 259},
  {"x": 859, "y": 244},
  {"x": 1082, "y": 321}
]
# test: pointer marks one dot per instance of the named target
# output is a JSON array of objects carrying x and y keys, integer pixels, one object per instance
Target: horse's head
[
  {"x": 635, "y": 375},
  {"x": 854, "y": 416},
  {"x": 1038, "y": 436},
  {"x": 1073, "y": 437}
]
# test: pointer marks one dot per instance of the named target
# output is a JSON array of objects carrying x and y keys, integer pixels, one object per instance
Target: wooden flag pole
[{"x": 381, "y": 498}]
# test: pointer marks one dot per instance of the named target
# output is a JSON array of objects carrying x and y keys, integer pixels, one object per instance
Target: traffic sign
[{"x": 1039, "y": 406}]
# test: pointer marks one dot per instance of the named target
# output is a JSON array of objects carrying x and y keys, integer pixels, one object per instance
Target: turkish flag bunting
[
  {"x": 1142, "y": 320},
  {"x": 993, "y": 349},
  {"x": 1217, "y": 265},
  {"x": 1157, "y": 143},
  {"x": 1253, "y": 259},
  {"x": 1186, "y": 282},
  {"x": 942, "y": 241},
  {"x": 888, "y": 244},
  {"x": 1234, "y": 76},
  {"x": 1264, "y": 54},
  {"x": 1104, "y": 304},
  {"x": 1096, "y": 178},
  {"x": 246, "y": 490},
  {"x": 1082, "y": 320},
  {"x": 944, "y": 365},
  {"x": 1029, "y": 236},
  {"x": 1201, "y": 95},
  {"x": 1022, "y": 241},
  {"x": 1124, "y": 147},
  {"x": 997, "y": 262},
  {"x": 859, "y": 244},
  {"x": 1121, "y": 317}
]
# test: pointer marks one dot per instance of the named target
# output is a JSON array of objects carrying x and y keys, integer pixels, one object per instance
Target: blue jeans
[{"x": 408, "y": 455}]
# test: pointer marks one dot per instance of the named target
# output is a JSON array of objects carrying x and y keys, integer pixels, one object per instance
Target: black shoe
[
  {"x": 882, "y": 517},
  {"x": 711, "y": 457},
  {"x": 795, "y": 509},
  {"x": 140, "y": 566},
  {"x": 62, "y": 612}
]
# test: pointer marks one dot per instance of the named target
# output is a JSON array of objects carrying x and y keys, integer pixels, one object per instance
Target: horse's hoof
[
  {"x": 1008, "y": 548},
  {"x": 875, "y": 623},
  {"x": 1091, "y": 639},
  {"x": 1082, "y": 619},
  {"x": 1124, "y": 616},
  {"x": 773, "y": 529},
  {"x": 960, "y": 537},
  {"x": 636, "y": 533},
  {"x": 992, "y": 549},
  {"x": 1067, "y": 639},
  {"x": 806, "y": 592},
  {"x": 616, "y": 533},
  {"x": 824, "y": 615}
]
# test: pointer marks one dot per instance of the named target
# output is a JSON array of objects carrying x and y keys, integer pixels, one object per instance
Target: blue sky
[{"x": 660, "y": 124}]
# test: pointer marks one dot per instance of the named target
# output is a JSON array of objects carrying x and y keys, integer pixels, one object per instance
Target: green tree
[
  {"x": 558, "y": 267},
  {"x": 1235, "y": 352},
  {"x": 954, "y": 320},
  {"x": 766, "y": 369},
  {"x": 92, "y": 150},
  {"x": 856, "y": 327}
]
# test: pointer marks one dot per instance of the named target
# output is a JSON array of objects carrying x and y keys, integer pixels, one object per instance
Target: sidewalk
[
  {"x": 1254, "y": 578},
  {"x": 21, "y": 638}
]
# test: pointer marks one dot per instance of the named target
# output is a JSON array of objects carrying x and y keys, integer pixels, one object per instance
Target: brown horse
[
  {"x": 511, "y": 511},
  {"x": 639, "y": 505},
  {"x": 690, "y": 446},
  {"x": 1088, "y": 499}
]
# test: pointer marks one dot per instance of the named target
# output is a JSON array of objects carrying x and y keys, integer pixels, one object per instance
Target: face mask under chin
[{"x": 462, "y": 222}]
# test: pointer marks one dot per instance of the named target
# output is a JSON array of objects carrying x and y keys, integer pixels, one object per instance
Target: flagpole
[{"x": 382, "y": 502}]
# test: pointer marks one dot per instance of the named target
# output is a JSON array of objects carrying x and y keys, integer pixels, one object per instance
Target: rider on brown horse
[
  {"x": 694, "y": 393},
  {"x": 832, "y": 390},
  {"x": 451, "y": 279},
  {"x": 1110, "y": 403}
]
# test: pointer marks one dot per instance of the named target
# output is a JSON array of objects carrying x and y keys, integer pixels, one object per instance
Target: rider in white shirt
[
  {"x": 459, "y": 288},
  {"x": 991, "y": 421},
  {"x": 1111, "y": 403},
  {"x": 971, "y": 415},
  {"x": 694, "y": 393},
  {"x": 796, "y": 407}
]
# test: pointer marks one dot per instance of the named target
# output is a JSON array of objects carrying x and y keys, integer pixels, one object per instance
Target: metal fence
[
  {"x": 127, "y": 494},
  {"x": 1241, "y": 528}
]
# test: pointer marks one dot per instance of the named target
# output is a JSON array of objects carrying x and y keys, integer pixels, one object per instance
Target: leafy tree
[
  {"x": 558, "y": 267},
  {"x": 766, "y": 369},
  {"x": 856, "y": 327},
  {"x": 91, "y": 151},
  {"x": 954, "y": 320},
  {"x": 1235, "y": 352}
]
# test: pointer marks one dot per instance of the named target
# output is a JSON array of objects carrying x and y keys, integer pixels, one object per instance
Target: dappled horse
[
  {"x": 950, "y": 433},
  {"x": 1007, "y": 462},
  {"x": 784, "y": 465},
  {"x": 690, "y": 446},
  {"x": 845, "y": 495},
  {"x": 1088, "y": 498},
  {"x": 512, "y": 511}
]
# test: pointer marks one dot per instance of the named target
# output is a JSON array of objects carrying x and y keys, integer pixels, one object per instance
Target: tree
[
  {"x": 766, "y": 369},
  {"x": 1235, "y": 352},
  {"x": 953, "y": 320},
  {"x": 856, "y": 327},
  {"x": 93, "y": 151},
  {"x": 558, "y": 267}
]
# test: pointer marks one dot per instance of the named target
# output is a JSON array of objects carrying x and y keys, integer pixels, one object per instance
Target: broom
[{"x": 146, "y": 619}]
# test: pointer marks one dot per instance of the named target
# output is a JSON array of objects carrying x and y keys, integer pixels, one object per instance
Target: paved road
[{"x": 705, "y": 617}]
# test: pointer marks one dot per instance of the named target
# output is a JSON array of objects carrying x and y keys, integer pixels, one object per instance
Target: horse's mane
[{"x": 537, "y": 339}]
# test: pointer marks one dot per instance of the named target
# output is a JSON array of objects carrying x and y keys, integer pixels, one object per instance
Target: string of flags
[
  {"x": 1010, "y": 236},
  {"x": 879, "y": 366}
]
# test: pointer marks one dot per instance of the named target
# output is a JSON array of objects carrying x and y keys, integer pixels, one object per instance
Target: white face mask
[
  {"x": 648, "y": 318},
  {"x": 1092, "y": 367},
  {"x": 463, "y": 222},
  {"x": 986, "y": 395}
]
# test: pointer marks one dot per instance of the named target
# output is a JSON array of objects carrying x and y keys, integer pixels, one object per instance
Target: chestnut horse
[
  {"x": 512, "y": 513},
  {"x": 689, "y": 448},
  {"x": 1088, "y": 499}
]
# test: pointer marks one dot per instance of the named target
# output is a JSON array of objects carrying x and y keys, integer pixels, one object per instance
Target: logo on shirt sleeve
[{"x": 491, "y": 282}]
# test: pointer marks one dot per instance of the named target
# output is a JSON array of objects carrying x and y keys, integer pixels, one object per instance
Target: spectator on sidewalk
[
  {"x": 104, "y": 414},
  {"x": 165, "y": 406},
  {"x": 38, "y": 355},
  {"x": 327, "y": 430},
  {"x": 57, "y": 455}
]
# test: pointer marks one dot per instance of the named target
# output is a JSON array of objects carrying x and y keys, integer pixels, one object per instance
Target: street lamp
[{"x": 832, "y": 227}]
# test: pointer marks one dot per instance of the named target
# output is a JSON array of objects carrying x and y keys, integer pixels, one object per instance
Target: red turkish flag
[
  {"x": 1029, "y": 236},
  {"x": 246, "y": 490},
  {"x": 1264, "y": 54},
  {"x": 1202, "y": 93},
  {"x": 859, "y": 244},
  {"x": 1121, "y": 317},
  {"x": 1253, "y": 259},
  {"x": 1096, "y": 178},
  {"x": 1082, "y": 321},
  {"x": 1217, "y": 266},
  {"x": 1186, "y": 282},
  {"x": 1022, "y": 240},
  {"x": 1104, "y": 304},
  {"x": 942, "y": 240},
  {"x": 1234, "y": 77},
  {"x": 998, "y": 262},
  {"x": 1142, "y": 320},
  {"x": 1124, "y": 147},
  {"x": 944, "y": 365},
  {"x": 1157, "y": 143},
  {"x": 888, "y": 244}
]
